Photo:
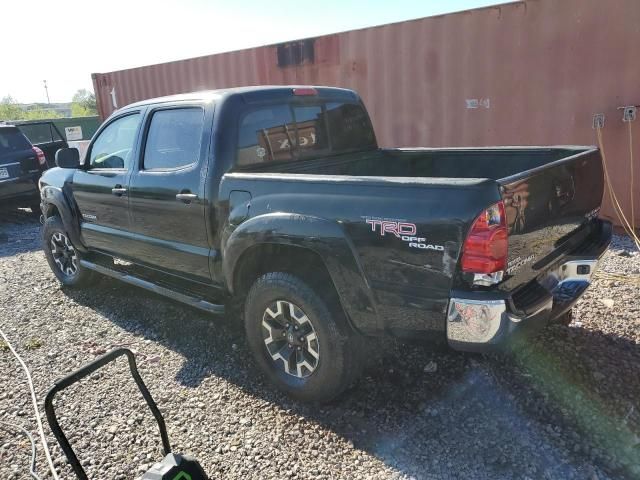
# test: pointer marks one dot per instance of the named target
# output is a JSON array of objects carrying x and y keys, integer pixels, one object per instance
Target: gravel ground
[{"x": 566, "y": 406}]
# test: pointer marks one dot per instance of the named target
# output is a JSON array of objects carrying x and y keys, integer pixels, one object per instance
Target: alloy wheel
[
  {"x": 290, "y": 339},
  {"x": 64, "y": 255}
]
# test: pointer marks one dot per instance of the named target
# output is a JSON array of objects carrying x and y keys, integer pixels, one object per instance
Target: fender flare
[
  {"x": 325, "y": 238},
  {"x": 55, "y": 196}
]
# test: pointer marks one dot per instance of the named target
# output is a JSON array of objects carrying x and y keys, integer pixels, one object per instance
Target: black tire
[
  {"x": 66, "y": 267},
  {"x": 566, "y": 318},
  {"x": 339, "y": 348}
]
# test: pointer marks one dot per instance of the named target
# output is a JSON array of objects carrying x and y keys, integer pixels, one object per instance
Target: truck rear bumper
[{"x": 477, "y": 323}]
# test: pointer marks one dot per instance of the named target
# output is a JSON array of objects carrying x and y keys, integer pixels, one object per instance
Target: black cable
[{"x": 32, "y": 466}]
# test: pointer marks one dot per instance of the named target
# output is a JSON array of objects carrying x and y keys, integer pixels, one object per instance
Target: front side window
[
  {"x": 174, "y": 138},
  {"x": 114, "y": 146}
]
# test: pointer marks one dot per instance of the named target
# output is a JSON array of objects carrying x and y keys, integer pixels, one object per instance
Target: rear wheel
[
  {"x": 300, "y": 340},
  {"x": 62, "y": 256}
]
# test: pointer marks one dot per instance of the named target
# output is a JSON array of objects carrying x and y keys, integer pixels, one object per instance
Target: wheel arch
[
  {"x": 54, "y": 202},
  {"x": 301, "y": 244}
]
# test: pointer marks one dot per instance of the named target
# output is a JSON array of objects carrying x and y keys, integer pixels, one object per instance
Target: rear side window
[
  {"x": 286, "y": 132},
  {"x": 174, "y": 138},
  {"x": 12, "y": 140}
]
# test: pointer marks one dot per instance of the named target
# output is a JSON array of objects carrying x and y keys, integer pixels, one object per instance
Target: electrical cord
[
  {"x": 617, "y": 277},
  {"x": 612, "y": 194},
  {"x": 35, "y": 406},
  {"x": 633, "y": 217},
  {"x": 25, "y": 432}
]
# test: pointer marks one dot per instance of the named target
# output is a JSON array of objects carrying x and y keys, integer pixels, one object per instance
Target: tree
[
  {"x": 83, "y": 104},
  {"x": 11, "y": 110}
]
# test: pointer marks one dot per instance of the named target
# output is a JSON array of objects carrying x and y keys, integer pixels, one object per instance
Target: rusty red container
[{"x": 525, "y": 73}]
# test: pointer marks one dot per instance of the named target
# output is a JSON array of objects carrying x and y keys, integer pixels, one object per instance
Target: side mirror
[{"x": 68, "y": 158}]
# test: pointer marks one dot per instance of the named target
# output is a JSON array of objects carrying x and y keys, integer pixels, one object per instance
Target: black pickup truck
[{"x": 277, "y": 203}]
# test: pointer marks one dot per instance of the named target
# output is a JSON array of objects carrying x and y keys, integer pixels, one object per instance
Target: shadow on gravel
[
  {"x": 565, "y": 407},
  {"x": 19, "y": 231}
]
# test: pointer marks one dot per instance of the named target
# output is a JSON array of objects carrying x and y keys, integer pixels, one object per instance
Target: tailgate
[
  {"x": 17, "y": 164},
  {"x": 548, "y": 210}
]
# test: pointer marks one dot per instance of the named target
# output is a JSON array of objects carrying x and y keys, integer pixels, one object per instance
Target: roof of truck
[{"x": 212, "y": 94}]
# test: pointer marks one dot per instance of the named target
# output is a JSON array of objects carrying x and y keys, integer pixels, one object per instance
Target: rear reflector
[
  {"x": 42, "y": 160},
  {"x": 485, "y": 249},
  {"x": 305, "y": 91}
]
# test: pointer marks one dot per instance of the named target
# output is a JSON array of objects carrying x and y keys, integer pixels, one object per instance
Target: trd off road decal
[{"x": 405, "y": 231}]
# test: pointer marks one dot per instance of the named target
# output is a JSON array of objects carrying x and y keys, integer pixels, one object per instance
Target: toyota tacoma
[{"x": 276, "y": 203}]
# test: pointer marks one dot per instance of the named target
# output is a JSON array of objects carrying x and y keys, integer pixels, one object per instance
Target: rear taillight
[
  {"x": 42, "y": 160},
  {"x": 485, "y": 249}
]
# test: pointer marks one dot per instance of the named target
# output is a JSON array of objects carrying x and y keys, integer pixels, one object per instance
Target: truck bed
[
  {"x": 493, "y": 163},
  {"x": 550, "y": 194}
]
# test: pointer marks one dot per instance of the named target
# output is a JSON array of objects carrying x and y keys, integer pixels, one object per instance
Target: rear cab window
[
  {"x": 12, "y": 140},
  {"x": 290, "y": 131}
]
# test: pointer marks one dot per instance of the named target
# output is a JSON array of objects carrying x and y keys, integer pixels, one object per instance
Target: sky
[{"x": 64, "y": 41}]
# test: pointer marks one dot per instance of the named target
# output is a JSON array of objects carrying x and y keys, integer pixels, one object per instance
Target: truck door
[
  {"x": 100, "y": 186},
  {"x": 166, "y": 192}
]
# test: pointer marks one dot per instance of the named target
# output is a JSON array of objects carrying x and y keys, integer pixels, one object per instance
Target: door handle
[
  {"x": 118, "y": 190},
  {"x": 186, "y": 197}
]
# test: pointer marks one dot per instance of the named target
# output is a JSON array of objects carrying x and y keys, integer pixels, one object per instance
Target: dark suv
[{"x": 21, "y": 165}]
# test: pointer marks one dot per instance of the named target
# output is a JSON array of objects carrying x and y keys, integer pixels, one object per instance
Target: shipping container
[{"x": 526, "y": 73}]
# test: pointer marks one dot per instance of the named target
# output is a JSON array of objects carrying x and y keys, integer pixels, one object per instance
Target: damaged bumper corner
[{"x": 479, "y": 324}]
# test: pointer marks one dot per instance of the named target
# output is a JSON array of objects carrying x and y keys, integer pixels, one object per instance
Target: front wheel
[
  {"x": 62, "y": 256},
  {"x": 299, "y": 340}
]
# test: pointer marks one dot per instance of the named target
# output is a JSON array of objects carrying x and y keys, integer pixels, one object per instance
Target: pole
[{"x": 46, "y": 89}]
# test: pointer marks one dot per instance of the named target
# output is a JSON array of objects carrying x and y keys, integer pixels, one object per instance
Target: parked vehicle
[
  {"x": 46, "y": 136},
  {"x": 278, "y": 203},
  {"x": 21, "y": 165}
]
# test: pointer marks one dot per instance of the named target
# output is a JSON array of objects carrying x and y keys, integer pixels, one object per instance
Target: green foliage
[
  {"x": 11, "y": 110},
  {"x": 79, "y": 110},
  {"x": 83, "y": 104}
]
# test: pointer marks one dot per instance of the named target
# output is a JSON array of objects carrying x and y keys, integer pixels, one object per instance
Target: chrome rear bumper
[{"x": 478, "y": 324}]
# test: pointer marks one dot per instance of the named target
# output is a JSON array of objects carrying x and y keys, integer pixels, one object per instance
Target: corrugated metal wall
[{"x": 528, "y": 73}]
